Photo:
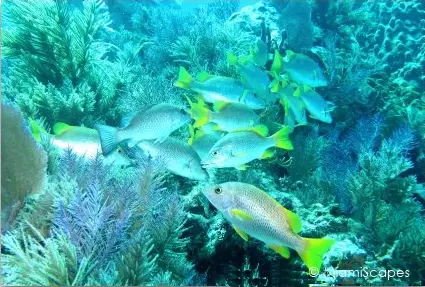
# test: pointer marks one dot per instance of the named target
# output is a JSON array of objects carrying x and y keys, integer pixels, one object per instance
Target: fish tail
[
  {"x": 199, "y": 112},
  {"x": 184, "y": 80},
  {"x": 315, "y": 248},
  {"x": 36, "y": 130},
  {"x": 108, "y": 138},
  {"x": 281, "y": 139}
]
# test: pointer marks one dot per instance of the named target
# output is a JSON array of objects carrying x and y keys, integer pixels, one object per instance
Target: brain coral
[{"x": 398, "y": 39}]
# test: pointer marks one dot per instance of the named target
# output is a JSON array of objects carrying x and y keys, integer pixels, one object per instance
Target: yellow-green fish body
[
  {"x": 156, "y": 122},
  {"x": 237, "y": 148},
  {"x": 300, "y": 68},
  {"x": 219, "y": 89},
  {"x": 252, "y": 212},
  {"x": 253, "y": 77},
  {"x": 225, "y": 117},
  {"x": 177, "y": 156}
]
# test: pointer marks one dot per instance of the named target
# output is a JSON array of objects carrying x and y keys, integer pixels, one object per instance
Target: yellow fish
[{"x": 253, "y": 212}]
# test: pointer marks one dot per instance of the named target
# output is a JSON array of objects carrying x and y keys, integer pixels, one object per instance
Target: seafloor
[{"x": 355, "y": 175}]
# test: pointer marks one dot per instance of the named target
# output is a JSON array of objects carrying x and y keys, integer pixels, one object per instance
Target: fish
[
  {"x": 253, "y": 77},
  {"x": 300, "y": 68},
  {"x": 218, "y": 89},
  {"x": 155, "y": 122},
  {"x": 318, "y": 108},
  {"x": 82, "y": 141},
  {"x": 259, "y": 53},
  {"x": 295, "y": 111},
  {"x": 238, "y": 148},
  {"x": 253, "y": 212},
  {"x": 226, "y": 116},
  {"x": 177, "y": 156},
  {"x": 203, "y": 139}
]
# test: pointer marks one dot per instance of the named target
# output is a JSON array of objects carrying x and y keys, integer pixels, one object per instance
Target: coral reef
[{"x": 359, "y": 179}]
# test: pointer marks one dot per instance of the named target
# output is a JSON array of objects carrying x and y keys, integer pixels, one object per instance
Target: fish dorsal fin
[
  {"x": 241, "y": 233},
  {"x": 192, "y": 135},
  {"x": 261, "y": 130},
  {"x": 291, "y": 54},
  {"x": 240, "y": 214},
  {"x": 203, "y": 76},
  {"x": 59, "y": 128},
  {"x": 219, "y": 106},
  {"x": 125, "y": 121},
  {"x": 293, "y": 219}
]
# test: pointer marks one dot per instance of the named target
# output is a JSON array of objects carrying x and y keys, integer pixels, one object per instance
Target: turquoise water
[{"x": 213, "y": 143}]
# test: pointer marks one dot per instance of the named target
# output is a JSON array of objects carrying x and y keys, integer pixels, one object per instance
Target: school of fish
[{"x": 224, "y": 118}]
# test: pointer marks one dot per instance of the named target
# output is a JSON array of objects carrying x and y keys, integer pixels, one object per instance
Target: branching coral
[{"x": 57, "y": 49}]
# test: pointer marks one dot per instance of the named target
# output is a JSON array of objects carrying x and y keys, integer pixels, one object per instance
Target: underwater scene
[{"x": 213, "y": 143}]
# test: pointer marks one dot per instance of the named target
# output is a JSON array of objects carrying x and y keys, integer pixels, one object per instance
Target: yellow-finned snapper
[
  {"x": 295, "y": 111},
  {"x": 253, "y": 77},
  {"x": 177, "y": 156},
  {"x": 253, "y": 212},
  {"x": 156, "y": 122},
  {"x": 82, "y": 141},
  {"x": 318, "y": 108},
  {"x": 203, "y": 139},
  {"x": 226, "y": 116},
  {"x": 218, "y": 89},
  {"x": 300, "y": 69},
  {"x": 237, "y": 148}
]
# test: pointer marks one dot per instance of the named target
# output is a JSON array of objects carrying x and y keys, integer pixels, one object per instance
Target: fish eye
[
  {"x": 119, "y": 150},
  {"x": 218, "y": 190},
  {"x": 214, "y": 153},
  {"x": 182, "y": 111}
]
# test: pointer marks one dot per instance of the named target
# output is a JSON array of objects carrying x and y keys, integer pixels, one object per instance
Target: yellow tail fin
[
  {"x": 315, "y": 248},
  {"x": 281, "y": 139},
  {"x": 36, "y": 130},
  {"x": 199, "y": 112},
  {"x": 185, "y": 79}
]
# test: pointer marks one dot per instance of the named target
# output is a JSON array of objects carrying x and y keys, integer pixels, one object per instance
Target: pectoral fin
[
  {"x": 282, "y": 250},
  {"x": 242, "y": 167},
  {"x": 240, "y": 214},
  {"x": 241, "y": 233}
]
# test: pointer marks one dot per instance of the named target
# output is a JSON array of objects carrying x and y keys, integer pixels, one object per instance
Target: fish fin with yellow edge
[
  {"x": 297, "y": 92},
  {"x": 199, "y": 112},
  {"x": 261, "y": 130},
  {"x": 314, "y": 250},
  {"x": 241, "y": 233},
  {"x": 281, "y": 139},
  {"x": 59, "y": 128},
  {"x": 37, "y": 130},
  {"x": 277, "y": 64},
  {"x": 231, "y": 58},
  {"x": 290, "y": 54},
  {"x": 240, "y": 214},
  {"x": 219, "y": 106},
  {"x": 242, "y": 167},
  {"x": 275, "y": 86},
  {"x": 192, "y": 134},
  {"x": 267, "y": 154},
  {"x": 203, "y": 76},
  {"x": 282, "y": 250},
  {"x": 184, "y": 80},
  {"x": 293, "y": 220}
]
